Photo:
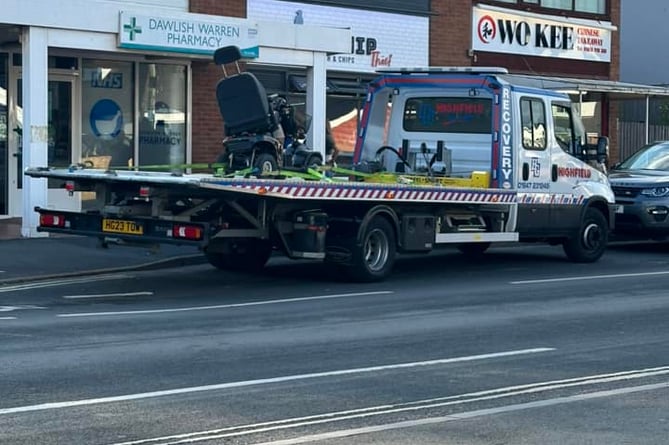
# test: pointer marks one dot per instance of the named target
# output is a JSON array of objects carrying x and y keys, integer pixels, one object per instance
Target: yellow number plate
[{"x": 122, "y": 226}]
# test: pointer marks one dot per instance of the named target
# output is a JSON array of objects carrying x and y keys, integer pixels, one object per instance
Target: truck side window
[
  {"x": 564, "y": 130},
  {"x": 533, "y": 117}
]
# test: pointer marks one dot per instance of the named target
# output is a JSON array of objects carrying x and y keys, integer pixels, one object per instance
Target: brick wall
[
  {"x": 450, "y": 32},
  {"x": 207, "y": 122},
  {"x": 230, "y": 8}
]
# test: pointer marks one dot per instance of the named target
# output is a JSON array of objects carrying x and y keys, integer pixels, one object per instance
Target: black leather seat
[{"x": 243, "y": 104}]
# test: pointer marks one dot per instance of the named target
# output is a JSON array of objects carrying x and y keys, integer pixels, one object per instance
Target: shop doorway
[{"x": 63, "y": 148}]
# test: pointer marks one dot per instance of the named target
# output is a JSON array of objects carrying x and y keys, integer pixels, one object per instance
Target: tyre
[
  {"x": 243, "y": 255},
  {"x": 313, "y": 161},
  {"x": 266, "y": 163},
  {"x": 373, "y": 258},
  {"x": 590, "y": 242},
  {"x": 473, "y": 249}
]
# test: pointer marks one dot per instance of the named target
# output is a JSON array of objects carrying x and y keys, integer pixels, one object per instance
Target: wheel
[
  {"x": 266, "y": 163},
  {"x": 473, "y": 249},
  {"x": 373, "y": 258},
  {"x": 243, "y": 255},
  {"x": 313, "y": 161},
  {"x": 590, "y": 243}
]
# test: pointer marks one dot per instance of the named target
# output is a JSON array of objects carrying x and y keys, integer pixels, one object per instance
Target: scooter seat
[{"x": 243, "y": 104}]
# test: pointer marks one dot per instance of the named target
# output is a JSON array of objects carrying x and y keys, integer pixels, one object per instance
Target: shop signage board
[
  {"x": 504, "y": 31},
  {"x": 186, "y": 33},
  {"x": 379, "y": 39}
]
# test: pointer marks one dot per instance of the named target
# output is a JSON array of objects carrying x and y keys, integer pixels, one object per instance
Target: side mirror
[{"x": 603, "y": 149}]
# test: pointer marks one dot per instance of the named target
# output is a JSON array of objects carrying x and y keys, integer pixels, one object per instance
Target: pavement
[{"x": 57, "y": 256}]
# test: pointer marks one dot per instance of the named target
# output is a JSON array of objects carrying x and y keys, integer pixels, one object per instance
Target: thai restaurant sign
[
  {"x": 504, "y": 31},
  {"x": 379, "y": 39}
]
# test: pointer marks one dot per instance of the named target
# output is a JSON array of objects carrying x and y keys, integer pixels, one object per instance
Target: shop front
[
  {"x": 102, "y": 111},
  {"x": 383, "y": 36},
  {"x": 574, "y": 55},
  {"x": 544, "y": 45},
  {"x": 116, "y": 91}
]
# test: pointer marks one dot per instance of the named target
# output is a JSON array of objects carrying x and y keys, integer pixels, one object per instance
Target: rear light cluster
[
  {"x": 187, "y": 231},
  {"x": 52, "y": 220}
]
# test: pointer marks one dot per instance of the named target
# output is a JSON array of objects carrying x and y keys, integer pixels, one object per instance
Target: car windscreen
[{"x": 649, "y": 157}]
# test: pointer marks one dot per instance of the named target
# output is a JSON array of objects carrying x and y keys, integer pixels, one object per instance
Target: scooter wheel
[{"x": 266, "y": 163}]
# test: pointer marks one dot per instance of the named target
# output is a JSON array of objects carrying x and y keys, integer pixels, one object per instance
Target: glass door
[{"x": 63, "y": 148}]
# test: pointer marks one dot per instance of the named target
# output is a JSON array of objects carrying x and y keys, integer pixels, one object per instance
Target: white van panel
[
  {"x": 468, "y": 152},
  {"x": 465, "y": 151}
]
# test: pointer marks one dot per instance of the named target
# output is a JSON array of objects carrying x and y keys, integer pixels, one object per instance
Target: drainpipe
[{"x": 646, "y": 124}]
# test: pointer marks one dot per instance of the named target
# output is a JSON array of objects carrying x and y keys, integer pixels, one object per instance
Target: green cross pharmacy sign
[
  {"x": 132, "y": 29},
  {"x": 186, "y": 33}
]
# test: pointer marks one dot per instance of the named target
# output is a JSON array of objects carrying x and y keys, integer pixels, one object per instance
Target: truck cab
[{"x": 458, "y": 122}]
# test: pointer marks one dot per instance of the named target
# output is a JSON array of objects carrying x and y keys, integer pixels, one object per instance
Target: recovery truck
[{"x": 459, "y": 156}]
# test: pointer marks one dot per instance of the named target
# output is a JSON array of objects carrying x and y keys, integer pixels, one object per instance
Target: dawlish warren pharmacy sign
[{"x": 189, "y": 33}]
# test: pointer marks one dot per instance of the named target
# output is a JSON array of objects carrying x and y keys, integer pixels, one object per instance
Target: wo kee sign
[{"x": 537, "y": 36}]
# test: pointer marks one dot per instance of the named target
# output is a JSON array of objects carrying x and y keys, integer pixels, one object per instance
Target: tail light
[
  {"x": 51, "y": 220},
  {"x": 189, "y": 232}
]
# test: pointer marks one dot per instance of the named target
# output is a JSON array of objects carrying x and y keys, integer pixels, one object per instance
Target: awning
[
  {"x": 592, "y": 89},
  {"x": 614, "y": 89}
]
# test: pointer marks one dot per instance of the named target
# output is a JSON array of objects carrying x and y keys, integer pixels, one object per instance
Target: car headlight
[{"x": 656, "y": 192}]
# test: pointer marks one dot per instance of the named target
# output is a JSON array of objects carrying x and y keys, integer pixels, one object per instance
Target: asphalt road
[{"x": 521, "y": 347}]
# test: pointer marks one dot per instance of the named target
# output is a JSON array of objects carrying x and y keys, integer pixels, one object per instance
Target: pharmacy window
[
  {"x": 107, "y": 113},
  {"x": 162, "y": 114}
]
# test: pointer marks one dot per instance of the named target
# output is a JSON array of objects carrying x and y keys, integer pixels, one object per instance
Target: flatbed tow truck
[{"x": 460, "y": 156}]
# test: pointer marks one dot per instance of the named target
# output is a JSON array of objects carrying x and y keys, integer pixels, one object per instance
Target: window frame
[
  {"x": 536, "y": 7},
  {"x": 534, "y": 123},
  {"x": 418, "y": 8},
  {"x": 571, "y": 147},
  {"x": 427, "y": 106}
]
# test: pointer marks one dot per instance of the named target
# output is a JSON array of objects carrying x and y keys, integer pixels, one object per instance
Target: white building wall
[
  {"x": 179, "y": 5},
  {"x": 85, "y": 15}
]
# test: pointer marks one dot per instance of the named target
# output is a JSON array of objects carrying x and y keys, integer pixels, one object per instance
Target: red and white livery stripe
[{"x": 386, "y": 193}]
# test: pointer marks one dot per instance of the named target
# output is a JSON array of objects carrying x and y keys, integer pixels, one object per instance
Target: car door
[
  {"x": 535, "y": 167},
  {"x": 567, "y": 171}
]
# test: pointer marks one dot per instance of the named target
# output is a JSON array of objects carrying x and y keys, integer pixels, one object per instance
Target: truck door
[
  {"x": 566, "y": 169},
  {"x": 534, "y": 180}
]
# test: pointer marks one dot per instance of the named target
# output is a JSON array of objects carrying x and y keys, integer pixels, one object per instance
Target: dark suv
[{"x": 641, "y": 186}]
